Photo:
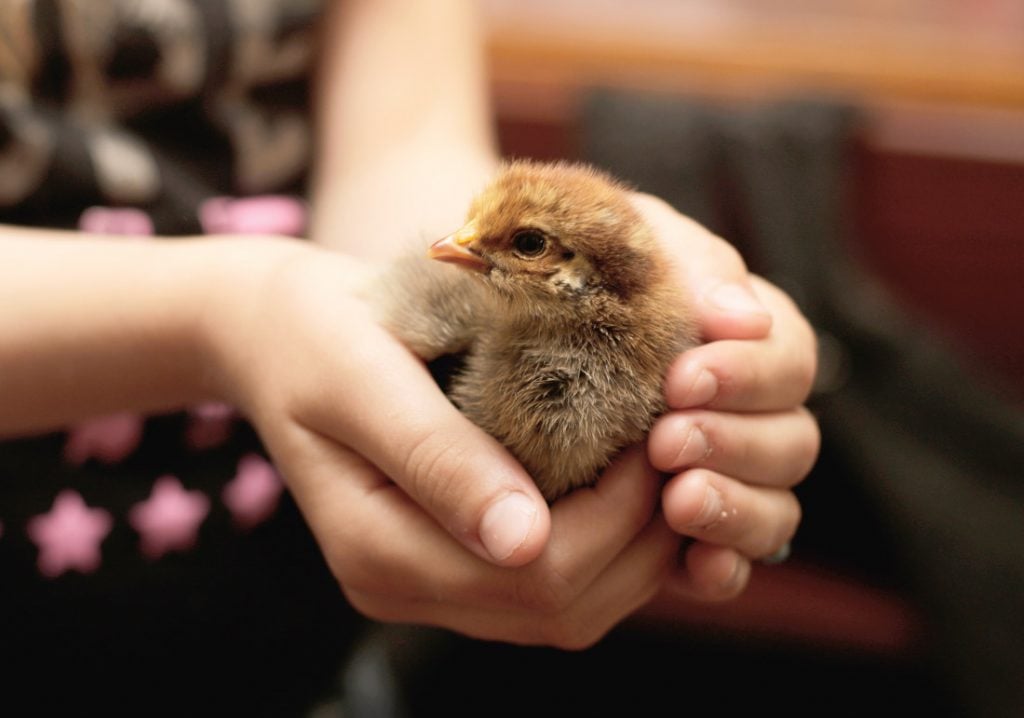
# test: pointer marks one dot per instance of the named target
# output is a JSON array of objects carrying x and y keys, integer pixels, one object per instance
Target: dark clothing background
[
  {"x": 151, "y": 104},
  {"x": 157, "y": 106}
]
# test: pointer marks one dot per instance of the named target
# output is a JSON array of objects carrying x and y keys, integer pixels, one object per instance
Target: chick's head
[{"x": 556, "y": 234}]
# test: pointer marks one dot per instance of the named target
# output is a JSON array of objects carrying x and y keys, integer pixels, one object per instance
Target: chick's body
[{"x": 565, "y": 310}]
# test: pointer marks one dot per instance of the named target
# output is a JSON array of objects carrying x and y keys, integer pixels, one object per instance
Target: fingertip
[
  {"x": 658, "y": 449},
  {"x": 632, "y": 468},
  {"x": 472, "y": 486},
  {"x": 515, "y": 528},
  {"x": 690, "y": 503},
  {"x": 736, "y": 298},
  {"x": 689, "y": 384},
  {"x": 677, "y": 440},
  {"x": 733, "y": 311},
  {"x": 715, "y": 573}
]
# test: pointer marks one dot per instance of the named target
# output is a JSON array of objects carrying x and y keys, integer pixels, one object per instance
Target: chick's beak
[{"x": 457, "y": 248}]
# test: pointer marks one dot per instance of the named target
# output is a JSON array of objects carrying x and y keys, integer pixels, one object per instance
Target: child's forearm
[
  {"x": 91, "y": 325},
  {"x": 404, "y": 126}
]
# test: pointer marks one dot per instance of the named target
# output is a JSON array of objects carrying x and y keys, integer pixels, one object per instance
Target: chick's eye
[{"x": 529, "y": 243}]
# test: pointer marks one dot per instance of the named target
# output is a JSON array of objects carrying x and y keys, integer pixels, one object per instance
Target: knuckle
[
  {"x": 431, "y": 465},
  {"x": 803, "y": 358},
  {"x": 570, "y": 633},
  {"x": 728, "y": 255},
  {"x": 369, "y": 605},
  {"x": 795, "y": 517},
  {"x": 806, "y": 371},
  {"x": 725, "y": 443},
  {"x": 730, "y": 375},
  {"x": 736, "y": 586},
  {"x": 786, "y": 528},
  {"x": 357, "y": 573},
  {"x": 370, "y": 566},
  {"x": 810, "y": 447},
  {"x": 549, "y": 594},
  {"x": 769, "y": 527},
  {"x": 739, "y": 380}
]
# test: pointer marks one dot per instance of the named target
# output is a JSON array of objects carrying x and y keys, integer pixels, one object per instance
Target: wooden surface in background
[{"x": 952, "y": 52}]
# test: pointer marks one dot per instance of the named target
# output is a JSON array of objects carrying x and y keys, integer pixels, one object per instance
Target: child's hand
[
  {"x": 736, "y": 435},
  {"x": 415, "y": 508},
  {"x": 424, "y": 518}
]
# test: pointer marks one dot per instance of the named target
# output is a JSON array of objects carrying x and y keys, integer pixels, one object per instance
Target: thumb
[
  {"x": 470, "y": 484},
  {"x": 454, "y": 470}
]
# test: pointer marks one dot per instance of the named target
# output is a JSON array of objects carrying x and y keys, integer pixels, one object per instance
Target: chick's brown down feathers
[{"x": 562, "y": 302}]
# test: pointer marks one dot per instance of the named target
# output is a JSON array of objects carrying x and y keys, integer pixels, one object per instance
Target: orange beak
[{"x": 457, "y": 249}]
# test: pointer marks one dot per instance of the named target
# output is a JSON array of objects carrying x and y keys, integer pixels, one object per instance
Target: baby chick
[{"x": 556, "y": 292}]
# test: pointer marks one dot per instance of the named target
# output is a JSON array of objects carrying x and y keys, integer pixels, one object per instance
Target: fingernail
[
  {"x": 711, "y": 511},
  {"x": 736, "y": 298},
  {"x": 739, "y": 574},
  {"x": 695, "y": 448},
  {"x": 701, "y": 391},
  {"x": 779, "y": 556},
  {"x": 506, "y": 525}
]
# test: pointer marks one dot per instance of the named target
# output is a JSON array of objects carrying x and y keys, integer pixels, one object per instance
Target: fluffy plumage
[{"x": 559, "y": 297}]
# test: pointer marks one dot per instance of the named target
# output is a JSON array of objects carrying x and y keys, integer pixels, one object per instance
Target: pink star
[
  {"x": 264, "y": 214},
  {"x": 253, "y": 494},
  {"x": 69, "y": 536},
  {"x": 116, "y": 220},
  {"x": 169, "y": 519},
  {"x": 109, "y": 439}
]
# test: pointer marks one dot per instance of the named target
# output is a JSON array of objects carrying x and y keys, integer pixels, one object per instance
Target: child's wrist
[{"x": 236, "y": 277}]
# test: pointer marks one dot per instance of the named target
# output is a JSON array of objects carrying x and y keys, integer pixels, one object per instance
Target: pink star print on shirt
[
  {"x": 116, "y": 220},
  {"x": 69, "y": 536},
  {"x": 253, "y": 494},
  {"x": 264, "y": 214},
  {"x": 169, "y": 519},
  {"x": 109, "y": 439}
]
